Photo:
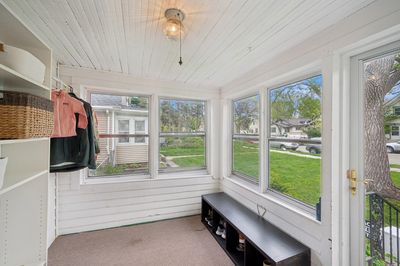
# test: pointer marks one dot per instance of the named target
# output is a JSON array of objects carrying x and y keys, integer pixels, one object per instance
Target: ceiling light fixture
[{"x": 174, "y": 27}]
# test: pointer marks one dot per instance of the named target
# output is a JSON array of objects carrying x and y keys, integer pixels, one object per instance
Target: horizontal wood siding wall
[
  {"x": 133, "y": 153},
  {"x": 99, "y": 206}
]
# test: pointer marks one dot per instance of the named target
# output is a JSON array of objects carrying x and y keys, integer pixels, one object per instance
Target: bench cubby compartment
[{"x": 263, "y": 241}]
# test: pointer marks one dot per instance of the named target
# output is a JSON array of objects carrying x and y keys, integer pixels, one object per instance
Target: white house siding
[
  {"x": 98, "y": 206},
  {"x": 102, "y": 127},
  {"x": 132, "y": 153}
]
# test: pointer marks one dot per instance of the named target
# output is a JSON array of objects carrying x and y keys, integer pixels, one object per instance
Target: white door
[{"x": 374, "y": 220}]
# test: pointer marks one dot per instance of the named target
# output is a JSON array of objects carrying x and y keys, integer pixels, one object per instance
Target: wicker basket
[{"x": 23, "y": 115}]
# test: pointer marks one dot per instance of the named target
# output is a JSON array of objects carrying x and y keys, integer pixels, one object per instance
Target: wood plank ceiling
[{"x": 223, "y": 38}]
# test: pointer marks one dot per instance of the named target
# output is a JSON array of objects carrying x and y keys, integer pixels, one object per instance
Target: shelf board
[
  {"x": 17, "y": 141},
  {"x": 236, "y": 256},
  {"x": 21, "y": 183},
  {"x": 12, "y": 79}
]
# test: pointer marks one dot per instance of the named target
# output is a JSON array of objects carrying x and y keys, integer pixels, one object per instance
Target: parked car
[
  {"x": 284, "y": 145},
  {"x": 314, "y": 148},
  {"x": 392, "y": 147}
]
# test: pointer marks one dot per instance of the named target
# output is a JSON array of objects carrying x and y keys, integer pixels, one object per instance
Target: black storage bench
[{"x": 263, "y": 241}]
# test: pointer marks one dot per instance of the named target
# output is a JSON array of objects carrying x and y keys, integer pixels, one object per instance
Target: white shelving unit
[{"x": 24, "y": 195}]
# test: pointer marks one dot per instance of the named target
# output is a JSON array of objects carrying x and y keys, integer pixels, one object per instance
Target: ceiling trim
[{"x": 87, "y": 75}]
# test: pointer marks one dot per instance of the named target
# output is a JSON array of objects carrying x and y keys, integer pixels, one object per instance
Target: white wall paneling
[
  {"x": 99, "y": 206},
  {"x": 369, "y": 27}
]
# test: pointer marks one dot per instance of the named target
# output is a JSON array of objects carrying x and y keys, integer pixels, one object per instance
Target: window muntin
[
  {"x": 396, "y": 110},
  {"x": 245, "y": 138},
  {"x": 294, "y": 140},
  {"x": 119, "y": 153},
  {"x": 182, "y": 140}
]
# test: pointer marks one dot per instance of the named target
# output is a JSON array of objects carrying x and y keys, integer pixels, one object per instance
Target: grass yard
[
  {"x": 295, "y": 176},
  {"x": 395, "y": 166},
  {"x": 181, "y": 151},
  {"x": 121, "y": 169},
  {"x": 195, "y": 161},
  {"x": 192, "y": 148}
]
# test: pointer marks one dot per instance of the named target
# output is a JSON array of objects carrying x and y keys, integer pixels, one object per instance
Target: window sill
[
  {"x": 183, "y": 174},
  {"x": 142, "y": 178},
  {"x": 277, "y": 198}
]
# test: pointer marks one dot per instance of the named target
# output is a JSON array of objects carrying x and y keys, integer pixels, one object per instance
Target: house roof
[
  {"x": 293, "y": 122},
  {"x": 112, "y": 101}
]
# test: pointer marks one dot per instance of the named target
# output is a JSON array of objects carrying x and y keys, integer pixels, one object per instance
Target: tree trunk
[{"x": 379, "y": 80}]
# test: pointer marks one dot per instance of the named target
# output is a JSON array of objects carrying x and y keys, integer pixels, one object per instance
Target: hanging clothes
[
  {"x": 74, "y": 153},
  {"x": 65, "y": 108}
]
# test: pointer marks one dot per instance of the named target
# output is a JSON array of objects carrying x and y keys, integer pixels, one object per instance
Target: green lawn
[
  {"x": 295, "y": 176},
  {"x": 395, "y": 166},
  {"x": 196, "y": 161},
  {"x": 121, "y": 169},
  {"x": 181, "y": 151}
]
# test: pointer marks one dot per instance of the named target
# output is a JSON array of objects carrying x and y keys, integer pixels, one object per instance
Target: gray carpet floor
[{"x": 181, "y": 242}]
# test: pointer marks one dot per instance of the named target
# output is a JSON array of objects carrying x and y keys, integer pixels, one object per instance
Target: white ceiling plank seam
[{"x": 223, "y": 39}]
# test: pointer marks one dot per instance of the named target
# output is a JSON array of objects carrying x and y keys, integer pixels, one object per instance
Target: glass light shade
[{"x": 172, "y": 28}]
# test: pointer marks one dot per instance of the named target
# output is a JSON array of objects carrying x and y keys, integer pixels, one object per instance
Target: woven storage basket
[{"x": 23, "y": 115}]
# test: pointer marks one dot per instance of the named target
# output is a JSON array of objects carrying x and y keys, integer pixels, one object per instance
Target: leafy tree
[
  {"x": 282, "y": 109},
  {"x": 381, "y": 75},
  {"x": 300, "y": 99},
  {"x": 245, "y": 113},
  {"x": 310, "y": 108},
  {"x": 178, "y": 116},
  {"x": 139, "y": 102}
]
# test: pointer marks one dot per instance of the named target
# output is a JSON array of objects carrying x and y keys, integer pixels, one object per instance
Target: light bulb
[{"x": 172, "y": 28}]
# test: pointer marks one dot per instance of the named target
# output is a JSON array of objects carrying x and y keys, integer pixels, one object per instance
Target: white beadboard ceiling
[{"x": 224, "y": 38}]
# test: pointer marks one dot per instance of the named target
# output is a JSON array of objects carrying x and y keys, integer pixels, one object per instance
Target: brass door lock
[{"x": 352, "y": 176}]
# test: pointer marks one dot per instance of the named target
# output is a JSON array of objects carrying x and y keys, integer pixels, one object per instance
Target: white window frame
[
  {"x": 286, "y": 198},
  {"x": 234, "y": 136},
  {"x": 123, "y": 177},
  {"x": 205, "y": 134},
  {"x": 262, "y": 188}
]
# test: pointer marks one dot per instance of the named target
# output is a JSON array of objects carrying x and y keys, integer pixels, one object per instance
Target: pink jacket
[{"x": 65, "y": 108}]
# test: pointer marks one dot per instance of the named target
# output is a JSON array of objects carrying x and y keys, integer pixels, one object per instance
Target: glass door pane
[{"x": 381, "y": 162}]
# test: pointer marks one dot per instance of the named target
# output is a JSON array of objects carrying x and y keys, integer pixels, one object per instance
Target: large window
[
  {"x": 123, "y": 134},
  {"x": 245, "y": 138},
  {"x": 182, "y": 134},
  {"x": 294, "y": 140}
]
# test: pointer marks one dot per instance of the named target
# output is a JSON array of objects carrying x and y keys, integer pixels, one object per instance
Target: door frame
[
  {"x": 352, "y": 133},
  {"x": 341, "y": 84}
]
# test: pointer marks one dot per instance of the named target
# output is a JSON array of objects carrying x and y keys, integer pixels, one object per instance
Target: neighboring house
[
  {"x": 392, "y": 108},
  {"x": 291, "y": 128},
  {"x": 116, "y": 116}
]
